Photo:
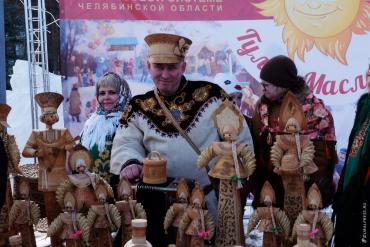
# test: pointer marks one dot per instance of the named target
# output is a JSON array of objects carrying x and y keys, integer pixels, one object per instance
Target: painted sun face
[{"x": 322, "y": 18}]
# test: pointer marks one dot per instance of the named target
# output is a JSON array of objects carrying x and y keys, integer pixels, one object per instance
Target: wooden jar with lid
[{"x": 155, "y": 169}]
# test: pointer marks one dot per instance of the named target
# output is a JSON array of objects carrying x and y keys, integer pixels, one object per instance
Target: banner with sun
[{"x": 232, "y": 39}]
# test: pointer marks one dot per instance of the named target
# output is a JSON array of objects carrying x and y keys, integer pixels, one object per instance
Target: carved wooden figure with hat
[
  {"x": 196, "y": 224},
  {"x": 321, "y": 226},
  {"x": 103, "y": 218},
  {"x": 9, "y": 160},
  {"x": 70, "y": 226},
  {"x": 271, "y": 220},
  {"x": 235, "y": 163},
  {"x": 49, "y": 146},
  {"x": 24, "y": 214},
  {"x": 177, "y": 210},
  {"x": 129, "y": 209}
]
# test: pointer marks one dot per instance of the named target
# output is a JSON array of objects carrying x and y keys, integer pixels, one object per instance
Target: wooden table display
[
  {"x": 177, "y": 210},
  {"x": 196, "y": 225},
  {"x": 235, "y": 162},
  {"x": 129, "y": 209},
  {"x": 322, "y": 228},
  {"x": 71, "y": 227},
  {"x": 24, "y": 214},
  {"x": 270, "y": 220}
]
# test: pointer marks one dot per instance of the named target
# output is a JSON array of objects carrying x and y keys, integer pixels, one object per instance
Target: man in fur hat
[
  {"x": 149, "y": 123},
  {"x": 279, "y": 75}
]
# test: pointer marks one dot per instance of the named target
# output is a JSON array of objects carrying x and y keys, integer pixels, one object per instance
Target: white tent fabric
[{"x": 20, "y": 119}]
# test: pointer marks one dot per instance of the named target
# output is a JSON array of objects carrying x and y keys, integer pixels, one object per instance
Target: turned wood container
[{"x": 155, "y": 166}]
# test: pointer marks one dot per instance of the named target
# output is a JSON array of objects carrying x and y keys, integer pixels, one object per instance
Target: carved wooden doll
[
  {"x": 270, "y": 220},
  {"x": 49, "y": 146},
  {"x": 177, "y": 210},
  {"x": 292, "y": 155},
  {"x": 82, "y": 182},
  {"x": 196, "y": 224},
  {"x": 102, "y": 219},
  {"x": 24, "y": 214},
  {"x": 235, "y": 162},
  {"x": 9, "y": 160},
  {"x": 321, "y": 227},
  {"x": 70, "y": 226},
  {"x": 129, "y": 209}
]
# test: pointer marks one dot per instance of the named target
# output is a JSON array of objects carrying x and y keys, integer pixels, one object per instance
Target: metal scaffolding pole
[{"x": 37, "y": 52}]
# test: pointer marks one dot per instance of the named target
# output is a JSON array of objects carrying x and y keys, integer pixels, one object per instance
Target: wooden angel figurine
[
  {"x": 128, "y": 208},
  {"x": 103, "y": 218},
  {"x": 196, "y": 225},
  {"x": 9, "y": 161},
  {"x": 24, "y": 214},
  {"x": 70, "y": 226},
  {"x": 49, "y": 146},
  {"x": 81, "y": 182},
  {"x": 272, "y": 221},
  {"x": 321, "y": 227},
  {"x": 177, "y": 210},
  {"x": 235, "y": 162},
  {"x": 292, "y": 155}
]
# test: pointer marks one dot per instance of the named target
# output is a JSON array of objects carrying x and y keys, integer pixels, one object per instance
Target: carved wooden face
[
  {"x": 229, "y": 133},
  {"x": 49, "y": 118}
]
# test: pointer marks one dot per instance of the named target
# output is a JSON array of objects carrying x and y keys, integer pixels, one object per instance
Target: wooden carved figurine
[
  {"x": 292, "y": 155},
  {"x": 321, "y": 227},
  {"x": 138, "y": 234},
  {"x": 177, "y": 210},
  {"x": 196, "y": 224},
  {"x": 81, "y": 182},
  {"x": 129, "y": 209},
  {"x": 49, "y": 146},
  {"x": 235, "y": 162},
  {"x": 70, "y": 226},
  {"x": 24, "y": 214},
  {"x": 303, "y": 238},
  {"x": 9, "y": 161},
  {"x": 103, "y": 218},
  {"x": 272, "y": 221}
]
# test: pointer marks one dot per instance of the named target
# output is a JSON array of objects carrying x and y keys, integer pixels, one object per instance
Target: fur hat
[
  {"x": 280, "y": 71},
  {"x": 167, "y": 48}
]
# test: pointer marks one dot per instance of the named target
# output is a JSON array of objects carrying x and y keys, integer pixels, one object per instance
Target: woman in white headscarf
[{"x": 113, "y": 95}]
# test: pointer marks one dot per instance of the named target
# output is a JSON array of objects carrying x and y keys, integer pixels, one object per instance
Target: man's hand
[{"x": 131, "y": 172}]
